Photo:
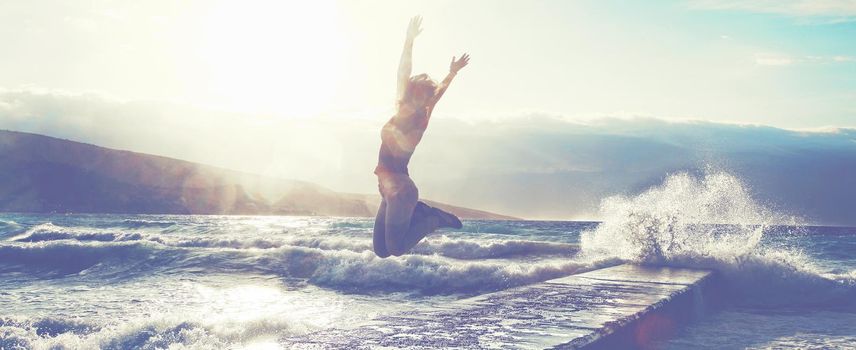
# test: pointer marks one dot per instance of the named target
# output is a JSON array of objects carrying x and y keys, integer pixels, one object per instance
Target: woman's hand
[
  {"x": 414, "y": 28},
  {"x": 455, "y": 66}
]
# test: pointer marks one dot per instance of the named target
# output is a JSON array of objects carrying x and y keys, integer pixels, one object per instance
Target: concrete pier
[{"x": 625, "y": 306}]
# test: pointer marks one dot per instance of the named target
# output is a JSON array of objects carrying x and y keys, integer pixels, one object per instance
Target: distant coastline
[{"x": 42, "y": 174}]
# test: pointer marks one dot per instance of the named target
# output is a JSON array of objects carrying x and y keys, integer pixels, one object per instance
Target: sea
[{"x": 108, "y": 281}]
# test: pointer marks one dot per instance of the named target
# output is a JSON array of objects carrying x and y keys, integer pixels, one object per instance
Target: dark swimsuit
[{"x": 398, "y": 142}]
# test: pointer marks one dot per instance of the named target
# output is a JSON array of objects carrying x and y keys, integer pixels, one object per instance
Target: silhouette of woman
[{"x": 402, "y": 220}]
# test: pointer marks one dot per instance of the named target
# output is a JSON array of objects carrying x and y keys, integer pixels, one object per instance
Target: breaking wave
[
  {"x": 439, "y": 265},
  {"x": 144, "y": 333},
  {"x": 713, "y": 222},
  {"x": 480, "y": 248}
]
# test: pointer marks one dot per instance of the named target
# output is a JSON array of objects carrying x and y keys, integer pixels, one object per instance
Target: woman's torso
[{"x": 399, "y": 138}]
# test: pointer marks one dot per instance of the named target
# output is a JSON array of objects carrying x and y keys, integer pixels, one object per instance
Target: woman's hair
[{"x": 419, "y": 84}]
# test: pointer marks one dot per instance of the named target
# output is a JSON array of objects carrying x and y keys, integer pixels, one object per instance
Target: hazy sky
[
  {"x": 782, "y": 63},
  {"x": 300, "y": 90}
]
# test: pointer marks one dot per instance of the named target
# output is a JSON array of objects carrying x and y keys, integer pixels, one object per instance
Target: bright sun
[{"x": 282, "y": 57}]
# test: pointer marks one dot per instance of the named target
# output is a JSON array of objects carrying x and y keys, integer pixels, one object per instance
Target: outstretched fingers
[
  {"x": 415, "y": 26},
  {"x": 456, "y": 65},
  {"x": 465, "y": 58}
]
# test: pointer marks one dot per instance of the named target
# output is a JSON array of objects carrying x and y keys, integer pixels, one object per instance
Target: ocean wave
[
  {"x": 502, "y": 228},
  {"x": 712, "y": 222},
  {"x": 477, "y": 248},
  {"x": 135, "y": 223},
  {"x": 352, "y": 224},
  {"x": 329, "y": 258},
  {"x": 9, "y": 228},
  {"x": 465, "y": 249},
  {"x": 342, "y": 269},
  {"x": 364, "y": 272},
  {"x": 72, "y": 257},
  {"x": 491, "y": 249},
  {"x": 215, "y": 242},
  {"x": 4, "y": 224},
  {"x": 157, "y": 332},
  {"x": 50, "y": 232}
]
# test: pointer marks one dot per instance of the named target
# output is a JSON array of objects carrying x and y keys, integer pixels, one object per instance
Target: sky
[
  {"x": 561, "y": 93},
  {"x": 782, "y": 63}
]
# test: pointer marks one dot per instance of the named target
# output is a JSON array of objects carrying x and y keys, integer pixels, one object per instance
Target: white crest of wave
[
  {"x": 713, "y": 216},
  {"x": 709, "y": 222}
]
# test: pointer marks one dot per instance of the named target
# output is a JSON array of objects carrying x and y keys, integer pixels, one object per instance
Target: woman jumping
[{"x": 402, "y": 220}]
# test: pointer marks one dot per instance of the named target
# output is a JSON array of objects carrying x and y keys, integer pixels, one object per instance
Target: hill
[{"x": 45, "y": 174}]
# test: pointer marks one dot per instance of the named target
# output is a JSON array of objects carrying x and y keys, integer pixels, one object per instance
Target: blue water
[{"x": 165, "y": 281}]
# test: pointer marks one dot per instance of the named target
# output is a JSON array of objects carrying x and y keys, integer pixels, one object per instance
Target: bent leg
[
  {"x": 408, "y": 221},
  {"x": 422, "y": 223},
  {"x": 379, "y": 237},
  {"x": 399, "y": 211}
]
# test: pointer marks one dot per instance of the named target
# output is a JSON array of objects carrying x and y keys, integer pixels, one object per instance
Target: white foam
[
  {"x": 430, "y": 274},
  {"x": 50, "y": 232},
  {"x": 709, "y": 222}
]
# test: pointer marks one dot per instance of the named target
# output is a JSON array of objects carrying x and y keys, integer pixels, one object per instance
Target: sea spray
[
  {"x": 712, "y": 222},
  {"x": 709, "y": 216}
]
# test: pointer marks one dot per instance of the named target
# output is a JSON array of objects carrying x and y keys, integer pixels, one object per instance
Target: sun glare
[{"x": 281, "y": 57}]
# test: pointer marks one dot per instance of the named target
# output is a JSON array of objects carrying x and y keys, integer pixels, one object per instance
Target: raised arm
[
  {"x": 405, "y": 66},
  {"x": 454, "y": 67}
]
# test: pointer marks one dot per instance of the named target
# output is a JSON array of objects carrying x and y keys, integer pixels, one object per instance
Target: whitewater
[{"x": 85, "y": 281}]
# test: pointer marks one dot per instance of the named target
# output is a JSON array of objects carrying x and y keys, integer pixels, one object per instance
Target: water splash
[{"x": 712, "y": 222}]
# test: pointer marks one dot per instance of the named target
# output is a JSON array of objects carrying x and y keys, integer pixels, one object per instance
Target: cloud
[
  {"x": 840, "y": 9},
  {"x": 844, "y": 59},
  {"x": 773, "y": 60},
  {"x": 533, "y": 165},
  {"x": 777, "y": 59}
]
